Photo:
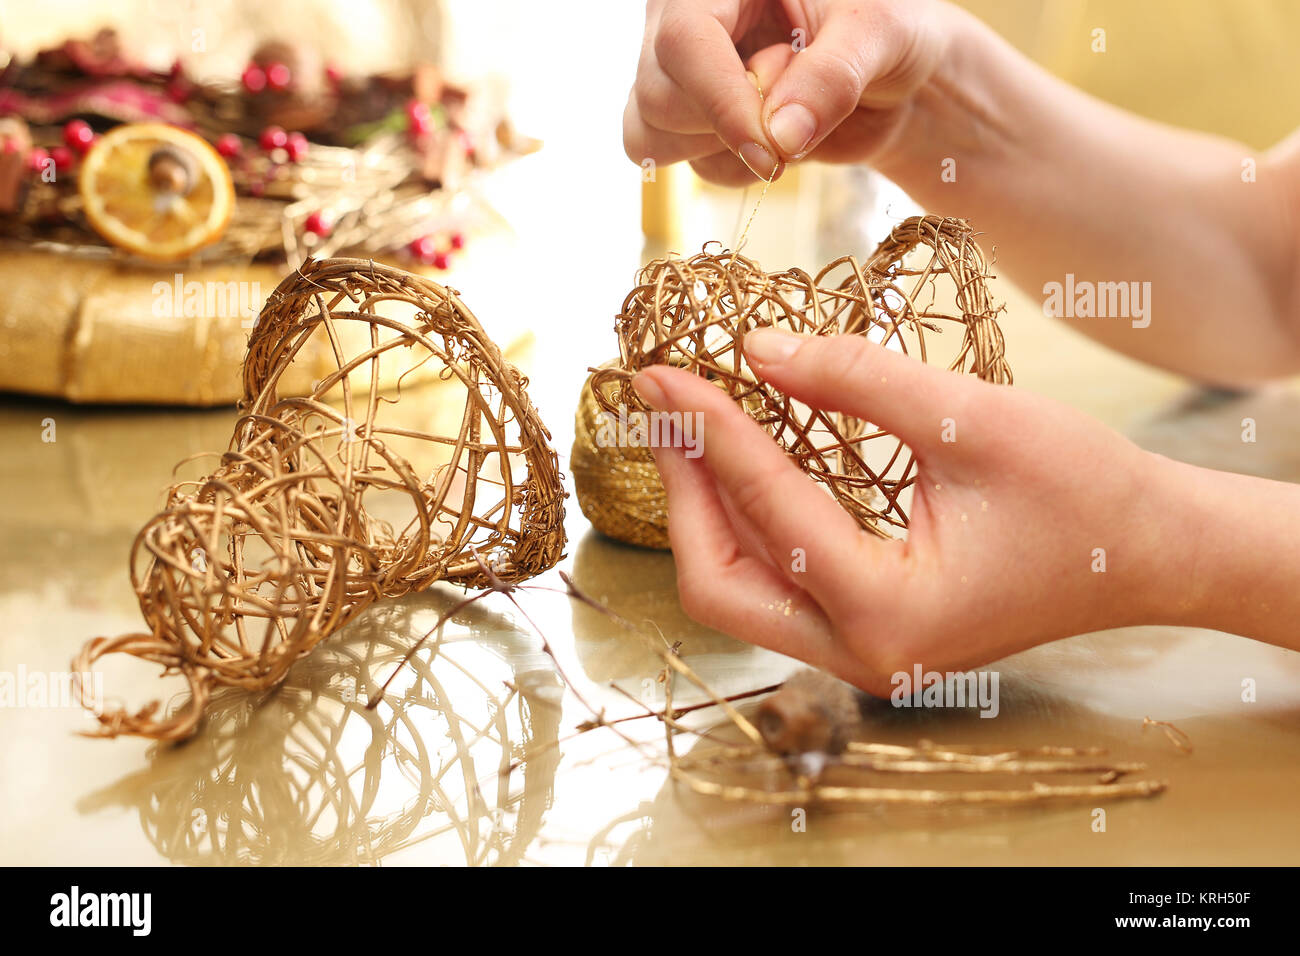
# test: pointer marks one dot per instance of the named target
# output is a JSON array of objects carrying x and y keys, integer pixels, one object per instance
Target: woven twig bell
[
  {"x": 329, "y": 501},
  {"x": 924, "y": 283}
]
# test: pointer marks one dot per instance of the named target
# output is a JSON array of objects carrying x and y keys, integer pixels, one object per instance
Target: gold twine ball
[{"x": 618, "y": 488}]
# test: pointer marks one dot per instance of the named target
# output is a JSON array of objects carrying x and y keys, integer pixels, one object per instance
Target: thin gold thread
[{"x": 771, "y": 177}]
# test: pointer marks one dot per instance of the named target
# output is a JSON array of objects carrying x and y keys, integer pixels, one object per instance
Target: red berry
[
  {"x": 318, "y": 224},
  {"x": 229, "y": 145},
  {"x": 37, "y": 159},
  {"x": 177, "y": 68},
  {"x": 441, "y": 260},
  {"x": 457, "y": 240},
  {"x": 423, "y": 249},
  {"x": 419, "y": 118},
  {"x": 178, "y": 91},
  {"x": 273, "y": 137},
  {"x": 62, "y": 157},
  {"x": 78, "y": 134},
  {"x": 296, "y": 146},
  {"x": 254, "y": 78},
  {"x": 278, "y": 77},
  {"x": 333, "y": 74}
]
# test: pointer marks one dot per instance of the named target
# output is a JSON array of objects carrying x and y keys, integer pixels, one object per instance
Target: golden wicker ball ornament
[
  {"x": 329, "y": 501},
  {"x": 923, "y": 292}
]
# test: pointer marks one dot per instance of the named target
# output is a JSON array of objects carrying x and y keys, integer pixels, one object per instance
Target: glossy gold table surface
[{"x": 307, "y": 775}]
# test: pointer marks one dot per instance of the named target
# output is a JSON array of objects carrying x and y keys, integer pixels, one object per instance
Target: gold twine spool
[{"x": 618, "y": 487}]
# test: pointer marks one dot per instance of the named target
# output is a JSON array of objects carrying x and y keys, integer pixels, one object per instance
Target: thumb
[
  {"x": 825, "y": 82},
  {"x": 849, "y": 374}
]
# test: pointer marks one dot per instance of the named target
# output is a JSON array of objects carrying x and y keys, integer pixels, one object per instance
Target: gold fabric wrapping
[
  {"x": 618, "y": 488},
  {"x": 94, "y": 332}
]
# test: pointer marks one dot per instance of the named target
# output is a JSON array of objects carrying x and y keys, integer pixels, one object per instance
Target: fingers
[
  {"x": 665, "y": 105},
  {"x": 849, "y": 374},
  {"x": 858, "y": 138},
  {"x": 811, "y": 539},
  {"x": 722, "y": 169},
  {"x": 825, "y": 82},
  {"x": 767, "y": 65},
  {"x": 692, "y": 82},
  {"x": 664, "y": 127},
  {"x": 722, "y": 586},
  {"x": 694, "y": 48},
  {"x": 642, "y": 141}
]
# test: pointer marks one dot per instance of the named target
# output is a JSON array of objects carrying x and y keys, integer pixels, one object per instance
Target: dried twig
[
  {"x": 867, "y": 757},
  {"x": 1182, "y": 743}
]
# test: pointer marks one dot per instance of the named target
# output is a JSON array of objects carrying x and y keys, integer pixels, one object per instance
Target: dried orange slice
[{"x": 156, "y": 190}]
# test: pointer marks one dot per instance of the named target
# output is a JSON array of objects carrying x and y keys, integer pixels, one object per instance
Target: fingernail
[
  {"x": 760, "y": 162},
  {"x": 770, "y": 346},
  {"x": 650, "y": 391},
  {"x": 792, "y": 128}
]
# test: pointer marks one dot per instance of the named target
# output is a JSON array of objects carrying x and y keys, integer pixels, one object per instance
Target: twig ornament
[
  {"x": 327, "y": 502},
  {"x": 694, "y": 314}
]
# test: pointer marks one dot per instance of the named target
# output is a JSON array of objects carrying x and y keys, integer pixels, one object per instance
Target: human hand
[
  {"x": 840, "y": 99},
  {"x": 1005, "y": 521}
]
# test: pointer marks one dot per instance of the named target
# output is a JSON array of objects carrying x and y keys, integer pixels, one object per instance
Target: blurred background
[{"x": 1209, "y": 64}]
